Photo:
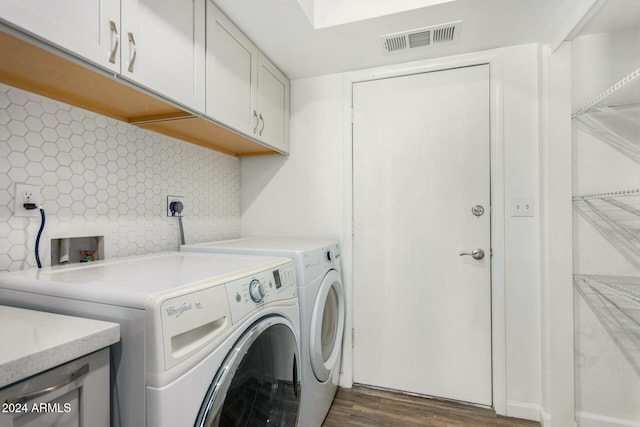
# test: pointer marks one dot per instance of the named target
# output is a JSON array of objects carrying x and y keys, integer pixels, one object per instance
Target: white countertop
[{"x": 34, "y": 341}]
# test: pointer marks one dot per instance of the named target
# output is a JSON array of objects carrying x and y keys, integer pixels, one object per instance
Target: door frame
[{"x": 494, "y": 59}]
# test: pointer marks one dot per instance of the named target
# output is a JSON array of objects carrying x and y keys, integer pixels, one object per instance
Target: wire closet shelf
[
  {"x": 615, "y": 300},
  {"x": 616, "y": 216},
  {"x": 614, "y": 116}
]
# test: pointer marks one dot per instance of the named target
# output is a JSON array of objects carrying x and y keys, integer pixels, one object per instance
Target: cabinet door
[
  {"x": 163, "y": 48},
  {"x": 87, "y": 28},
  {"x": 231, "y": 74},
  {"x": 73, "y": 394},
  {"x": 273, "y": 106}
]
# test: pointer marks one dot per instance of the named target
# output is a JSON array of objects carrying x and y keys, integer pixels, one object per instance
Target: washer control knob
[
  {"x": 332, "y": 255},
  {"x": 256, "y": 291}
]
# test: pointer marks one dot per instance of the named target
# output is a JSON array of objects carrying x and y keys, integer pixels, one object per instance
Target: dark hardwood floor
[{"x": 367, "y": 407}]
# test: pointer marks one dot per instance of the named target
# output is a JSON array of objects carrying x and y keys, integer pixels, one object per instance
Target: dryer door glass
[
  {"x": 327, "y": 327},
  {"x": 329, "y": 324},
  {"x": 258, "y": 383}
]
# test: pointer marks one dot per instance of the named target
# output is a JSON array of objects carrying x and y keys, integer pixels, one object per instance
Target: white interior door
[{"x": 422, "y": 312}]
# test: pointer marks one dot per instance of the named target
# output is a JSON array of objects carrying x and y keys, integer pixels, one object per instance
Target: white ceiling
[
  {"x": 613, "y": 15},
  {"x": 328, "y": 13},
  {"x": 285, "y": 33}
]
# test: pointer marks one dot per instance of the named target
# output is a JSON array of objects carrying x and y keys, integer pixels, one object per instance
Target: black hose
[{"x": 37, "y": 249}]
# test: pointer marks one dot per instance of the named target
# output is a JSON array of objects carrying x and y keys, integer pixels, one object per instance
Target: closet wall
[{"x": 606, "y": 182}]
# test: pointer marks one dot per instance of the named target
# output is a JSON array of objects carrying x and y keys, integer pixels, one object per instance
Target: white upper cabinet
[
  {"x": 163, "y": 48},
  {"x": 157, "y": 44},
  {"x": 231, "y": 73},
  {"x": 186, "y": 52},
  {"x": 272, "y": 106},
  {"x": 88, "y": 28},
  {"x": 244, "y": 90}
]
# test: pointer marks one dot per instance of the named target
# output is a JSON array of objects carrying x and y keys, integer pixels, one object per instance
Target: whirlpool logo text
[{"x": 178, "y": 311}]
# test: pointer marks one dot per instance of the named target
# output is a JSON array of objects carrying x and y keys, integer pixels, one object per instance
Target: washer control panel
[{"x": 249, "y": 293}]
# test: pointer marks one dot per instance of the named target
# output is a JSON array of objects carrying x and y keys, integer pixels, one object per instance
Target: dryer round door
[
  {"x": 327, "y": 326},
  {"x": 258, "y": 382}
]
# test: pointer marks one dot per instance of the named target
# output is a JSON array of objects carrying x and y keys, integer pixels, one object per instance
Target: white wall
[
  {"x": 306, "y": 195},
  {"x": 607, "y": 385},
  {"x": 302, "y": 194},
  {"x": 558, "y": 403},
  {"x": 102, "y": 177},
  {"x": 522, "y": 281}
]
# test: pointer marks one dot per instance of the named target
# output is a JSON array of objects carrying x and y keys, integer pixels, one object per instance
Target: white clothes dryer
[
  {"x": 322, "y": 311},
  {"x": 206, "y": 339}
]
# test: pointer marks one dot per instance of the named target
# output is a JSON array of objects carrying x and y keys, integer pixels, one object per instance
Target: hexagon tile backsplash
[{"x": 102, "y": 177}]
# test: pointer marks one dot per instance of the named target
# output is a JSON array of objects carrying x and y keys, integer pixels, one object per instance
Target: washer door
[
  {"x": 258, "y": 383},
  {"x": 327, "y": 326}
]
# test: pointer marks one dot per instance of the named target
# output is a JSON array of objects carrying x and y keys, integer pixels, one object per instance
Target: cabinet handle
[
  {"x": 115, "y": 42},
  {"x": 255, "y": 128},
  {"x": 262, "y": 128},
  {"x": 132, "y": 59},
  {"x": 18, "y": 400}
]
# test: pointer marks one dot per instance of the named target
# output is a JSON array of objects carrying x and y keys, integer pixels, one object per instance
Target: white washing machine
[
  {"x": 322, "y": 311},
  {"x": 206, "y": 339}
]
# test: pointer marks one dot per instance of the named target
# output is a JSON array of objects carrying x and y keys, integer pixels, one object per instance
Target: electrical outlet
[
  {"x": 26, "y": 194},
  {"x": 522, "y": 206},
  {"x": 171, "y": 199}
]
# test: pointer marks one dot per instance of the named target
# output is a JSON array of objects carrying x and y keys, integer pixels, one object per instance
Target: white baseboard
[
  {"x": 588, "y": 419},
  {"x": 523, "y": 410},
  {"x": 534, "y": 412},
  {"x": 545, "y": 419}
]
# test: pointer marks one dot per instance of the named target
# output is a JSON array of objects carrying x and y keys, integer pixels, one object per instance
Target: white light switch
[{"x": 522, "y": 206}]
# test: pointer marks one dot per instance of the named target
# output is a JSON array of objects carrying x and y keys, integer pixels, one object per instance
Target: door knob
[
  {"x": 477, "y": 210},
  {"x": 475, "y": 254}
]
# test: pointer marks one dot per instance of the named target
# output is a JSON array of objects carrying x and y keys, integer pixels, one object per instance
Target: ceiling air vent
[
  {"x": 428, "y": 36},
  {"x": 422, "y": 38},
  {"x": 395, "y": 43}
]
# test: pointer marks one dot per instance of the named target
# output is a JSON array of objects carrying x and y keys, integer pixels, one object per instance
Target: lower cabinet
[{"x": 74, "y": 394}]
